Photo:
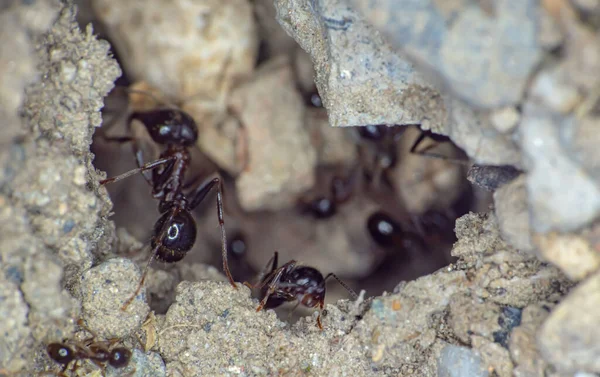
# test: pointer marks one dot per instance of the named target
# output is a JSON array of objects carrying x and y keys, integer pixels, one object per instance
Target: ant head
[
  {"x": 60, "y": 353},
  {"x": 119, "y": 357},
  {"x": 373, "y": 132},
  {"x": 175, "y": 237},
  {"x": 169, "y": 126},
  {"x": 384, "y": 230},
  {"x": 322, "y": 207}
]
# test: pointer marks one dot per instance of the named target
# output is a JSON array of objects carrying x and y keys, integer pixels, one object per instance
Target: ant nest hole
[{"x": 198, "y": 195}]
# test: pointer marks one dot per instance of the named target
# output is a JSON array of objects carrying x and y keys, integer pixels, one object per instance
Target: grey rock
[
  {"x": 490, "y": 178},
  {"x": 103, "y": 291},
  {"x": 568, "y": 338},
  {"x": 484, "y": 52},
  {"x": 553, "y": 207},
  {"x": 510, "y": 202},
  {"x": 458, "y": 361},
  {"x": 360, "y": 79}
]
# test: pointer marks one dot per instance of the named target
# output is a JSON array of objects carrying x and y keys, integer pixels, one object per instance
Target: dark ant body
[
  {"x": 174, "y": 233},
  {"x": 293, "y": 282},
  {"x": 382, "y": 140},
  {"x": 325, "y": 206},
  {"x": 99, "y": 353}
]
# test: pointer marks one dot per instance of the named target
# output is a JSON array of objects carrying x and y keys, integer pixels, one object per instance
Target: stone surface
[
  {"x": 484, "y": 52},
  {"x": 103, "y": 290},
  {"x": 568, "y": 337},
  {"x": 281, "y": 159},
  {"x": 510, "y": 202},
  {"x": 359, "y": 83},
  {"x": 549, "y": 167}
]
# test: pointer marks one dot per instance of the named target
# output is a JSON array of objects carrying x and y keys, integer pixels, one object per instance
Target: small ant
[
  {"x": 325, "y": 206},
  {"x": 174, "y": 233},
  {"x": 381, "y": 141},
  {"x": 98, "y": 352},
  {"x": 293, "y": 282}
]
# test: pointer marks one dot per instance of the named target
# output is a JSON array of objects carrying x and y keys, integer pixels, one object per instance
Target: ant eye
[
  {"x": 164, "y": 130},
  {"x": 60, "y": 353},
  {"x": 173, "y": 232},
  {"x": 384, "y": 230},
  {"x": 120, "y": 357}
]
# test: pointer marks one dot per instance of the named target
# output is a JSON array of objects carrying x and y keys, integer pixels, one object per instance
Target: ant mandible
[
  {"x": 97, "y": 352},
  {"x": 174, "y": 233},
  {"x": 292, "y": 282}
]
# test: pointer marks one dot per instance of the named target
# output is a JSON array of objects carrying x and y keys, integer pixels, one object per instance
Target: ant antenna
[{"x": 350, "y": 290}]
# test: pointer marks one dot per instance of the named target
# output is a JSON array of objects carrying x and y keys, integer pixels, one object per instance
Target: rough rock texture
[
  {"x": 55, "y": 221},
  {"x": 452, "y": 42},
  {"x": 195, "y": 52},
  {"x": 568, "y": 337},
  {"x": 496, "y": 311},
  {"x": 359, "y": 83},
  {"x": 281, "y": 159}
]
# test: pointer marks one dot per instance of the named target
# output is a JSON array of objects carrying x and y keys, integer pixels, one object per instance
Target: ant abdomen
[
  {"x": 169, "y": 126},
  {"x": 178, "y": 239}
]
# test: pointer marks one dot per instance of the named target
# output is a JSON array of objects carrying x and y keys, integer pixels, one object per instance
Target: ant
[
  {"x": 381, "y": 142},
  {"x": 293, "y": 282},
  {"x": 98, "y": 352},
  {"x": 174, "y": 233},
  {"x": 325, "y": 206}
]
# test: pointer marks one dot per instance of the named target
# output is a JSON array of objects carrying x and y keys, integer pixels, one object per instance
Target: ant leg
[
  {"x": 438, "y": 139},
  {"x": 264, "y": 275},
  {"x": 321, "y": 304},
  {"x": 350, "y": 290},
  {"x": 272, "y": 287},
  {"x": 198, "y": 196},
  {"x": 142, "y": 280},
  {"x": 148, "y": 166}
]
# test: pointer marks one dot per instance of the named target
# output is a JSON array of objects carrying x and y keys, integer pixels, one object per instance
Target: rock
[
  {"x": 573, "y": 254},
  {"x": 506, "y": 119},
  {"x": 458, "y": 361},
  {"x": 182, "y": 47},
  {"x": 212, "y": 328},
  {"x": 334, "y": 146},
  {"x": 549, "y": 167},
  {"x": 103, "y": 291},
  {"x": 568, "y": 338},
  {"x": 522, "y": 343},
  {"x": 281, "y": 160},
  {"x": 490, "y": 178},
  {"x": 473, "y": 131},
  {"x": 510, "y": 203},
  {"x": 452, "y": 42},
  {"x": 359, "y": 83}
]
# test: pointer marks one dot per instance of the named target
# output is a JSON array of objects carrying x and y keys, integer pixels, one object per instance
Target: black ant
[
  {"x": 325, "y": 206},
  {"x": 174, "y": 233},
  {"x": 381, "y": 141},
  {"x": 100, "y": 353},
  {"x": 293, "y": 282}
]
